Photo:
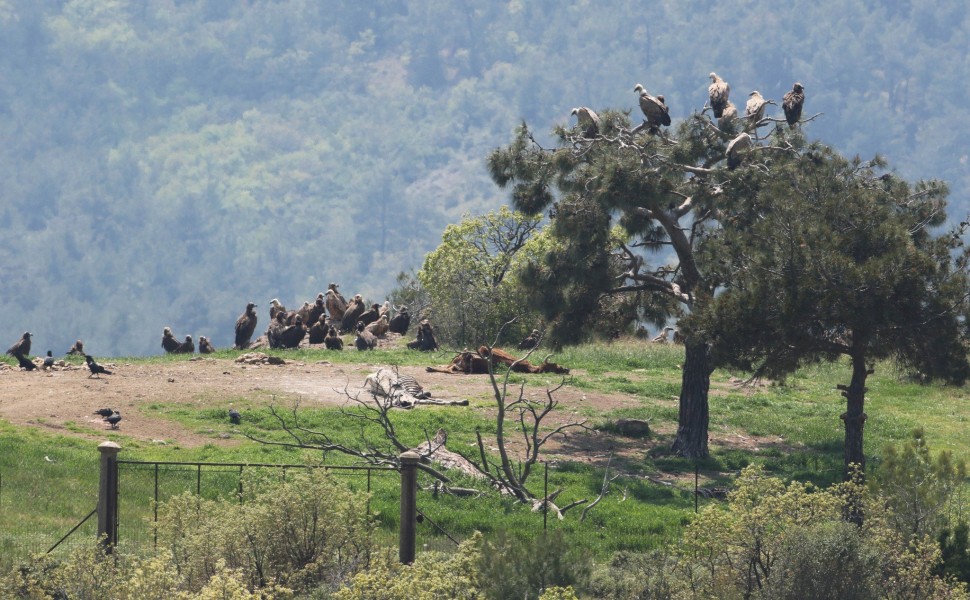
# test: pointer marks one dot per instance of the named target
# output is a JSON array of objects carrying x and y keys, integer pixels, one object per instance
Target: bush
[
  {"x": 512, "y": 567},
  {"x": 309, "y": 532}
]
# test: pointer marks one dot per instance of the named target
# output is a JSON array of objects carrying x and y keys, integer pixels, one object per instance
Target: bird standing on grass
[
  {"x": 234, "y": 417},
  {"x": 95, "y": 368}
]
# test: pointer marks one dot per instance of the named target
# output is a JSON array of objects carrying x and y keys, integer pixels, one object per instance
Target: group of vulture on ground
[
  {"x": 657, "y": 114},
  {"x": 320, "y": 322},
  {"x": 21, "y": 351}
]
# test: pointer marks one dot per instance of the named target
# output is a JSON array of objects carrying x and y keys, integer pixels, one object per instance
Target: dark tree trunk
[
  {"x": 854, "y": 416},
  {"x": 691, "y": 439}
]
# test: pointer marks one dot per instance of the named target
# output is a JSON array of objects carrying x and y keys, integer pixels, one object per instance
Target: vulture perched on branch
[
  {"x": 754, "y": 110},
  {"x": 653, "y": 107},
  {"x": 718, "y": 93},
  {"x": 792, "y": 103},
  {"x": 588, "y": 120},
  {"x": 728, "y": 116},
  {"x": 736, "y": 150}
]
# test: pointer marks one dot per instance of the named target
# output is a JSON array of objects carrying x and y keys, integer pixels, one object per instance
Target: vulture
[
  {"x": 275, "y": 308},
  {"x": 275, "y": 330},
  {"x": 304, "y": 313},
  {"x": 588, "y": 120},
  {"x": 380, "y": 327},
  {"x": 22, "y": 346},
  {"x": 401, "y": 321},
  {"x": 365, "y": 340},
  {"x": 318, "y": 331},
  {"x": 49, "y": 361},
  {"x": 728, "y": 116},
  {"x": 186, "y": 347},
  {"x": 336, "y": 304},
  {"x": 792, "y": 103},
  {"x": 77, "y": 348},
  {"x": 319, "y": 308},
  {"x": 718, "y": 92},
  {"x": 205, "y": 346},
  {"x": 653, "y": 107},
  {"x": 425, "y": 341},
  {"x": 754, "y": 110},
  {"x": 530, "y": 341},
  {"x": 293, "y": 334},
  {"x": 386, "y": 309},
  {"x": 25, "y": 363},
  {"x": 352, "y": 314},
  {"x": 245, "y": 326},
  {"x": 662, "y": 336},
  {"x": 168, "y": 341},
  {"x": 113, "y": 420},
  {"x": 737, "y": 148},
  {"x": 234, "y": 417},
  {"x": 95, "y": 368},
  {"x": 370, "y": 315},
  {"x": 333, "y": 341}
]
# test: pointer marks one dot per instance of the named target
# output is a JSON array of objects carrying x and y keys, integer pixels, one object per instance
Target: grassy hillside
[{"x": 793, "y": 428}]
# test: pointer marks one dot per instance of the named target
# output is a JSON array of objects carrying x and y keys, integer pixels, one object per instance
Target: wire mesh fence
[{"x": 144, "y": 486}]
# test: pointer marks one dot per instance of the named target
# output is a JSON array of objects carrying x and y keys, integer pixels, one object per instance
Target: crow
[
  {"x": 234, "y": 417},
  {"x": 95, "y": 368},
  {"x": 113, "y": 420},
  {"x": 104, "y": 412},
  {"x": 49, "y": 361},
  {"x": 25, "y": 363}
]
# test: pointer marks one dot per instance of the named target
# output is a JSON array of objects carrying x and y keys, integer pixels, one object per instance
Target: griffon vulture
[
  {"x": 736, "y": 150},
  {"x": 718, "y": 93},
  {"x": 653, "y": 107},
  {"x": 754, "y": 110},
  {"x": 588, "y": 120}
]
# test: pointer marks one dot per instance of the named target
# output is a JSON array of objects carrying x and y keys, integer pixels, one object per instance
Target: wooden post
[
  {"x": 108, "y": 495},
  {"x": 407, "y": 541}
]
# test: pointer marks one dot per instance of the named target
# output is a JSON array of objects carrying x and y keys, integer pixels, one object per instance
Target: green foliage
[
  {"x": 433, "y": 576},
  {"x": 307, "y": 533},
  {"x": 921, "y": 489},
  {"x": 517, "y": 566},
  {"x": 778, "y": 540},
  {"x": 472, "y": 278},
  {"x": 955, "y": 551}
]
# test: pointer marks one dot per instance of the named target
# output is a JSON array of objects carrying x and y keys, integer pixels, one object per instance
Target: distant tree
[
  {"x": 471, "y": 278},
  {"x": 831, "y": 258}
]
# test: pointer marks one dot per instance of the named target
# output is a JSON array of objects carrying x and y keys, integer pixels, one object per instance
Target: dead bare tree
[{"x": 506, "y": 473}]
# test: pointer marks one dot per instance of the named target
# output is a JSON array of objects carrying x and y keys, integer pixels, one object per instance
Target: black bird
[
  {"x": 25, "y": 363},
  {"x": 22, "y": 346},
  {"x": 49, "y": 361},
  {"x": 113, "y": 420},
  {"x": 245, "y": 326},
  {"x": 333, "y": 341},
  {"x": 104, "y": 412},
  {"x": 234, "y": 417},
  {"x": 95, "y": 368},
  {"x": 169, "y": 342}
]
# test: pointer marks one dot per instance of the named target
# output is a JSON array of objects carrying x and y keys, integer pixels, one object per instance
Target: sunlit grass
[{"x": 792, "y": 427}]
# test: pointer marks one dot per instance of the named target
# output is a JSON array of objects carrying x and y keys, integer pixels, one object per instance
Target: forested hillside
[{"x": 164, "y": 162}]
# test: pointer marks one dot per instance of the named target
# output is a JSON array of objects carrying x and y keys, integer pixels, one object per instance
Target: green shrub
[{"x": 516, "y": 567}]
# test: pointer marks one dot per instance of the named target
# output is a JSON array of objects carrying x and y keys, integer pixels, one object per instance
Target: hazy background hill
[{"x": 162, "y": 162}]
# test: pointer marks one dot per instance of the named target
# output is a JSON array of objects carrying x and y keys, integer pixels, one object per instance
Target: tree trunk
[
  {"x": 854, "y": 417},
  {"x": 691, "y": 439}
]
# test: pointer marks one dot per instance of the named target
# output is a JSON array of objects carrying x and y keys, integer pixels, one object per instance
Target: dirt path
[{"x": 66, "y": 399}]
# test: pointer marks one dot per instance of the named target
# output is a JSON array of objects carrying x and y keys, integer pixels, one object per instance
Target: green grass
[{"x": 792, "y": 428}]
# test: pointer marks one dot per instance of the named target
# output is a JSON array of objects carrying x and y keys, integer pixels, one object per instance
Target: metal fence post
[
  {"x": 409, "y": 506},
  {"x": 108, "y": 495}
]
